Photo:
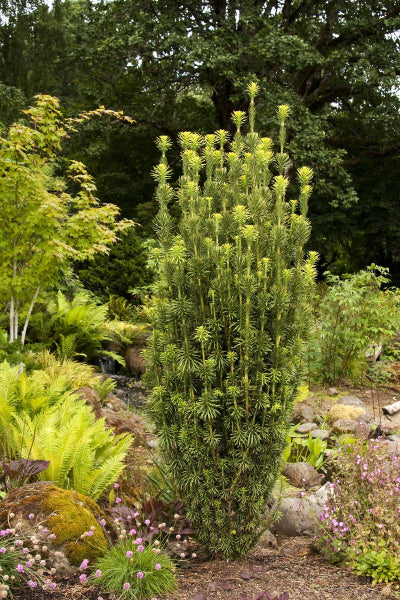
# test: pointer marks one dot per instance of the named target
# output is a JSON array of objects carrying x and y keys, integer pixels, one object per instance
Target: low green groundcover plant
[
  {"x": 308, "y": 449},
  {"x": 360, "y": 522},
  {"x": 133, "y": 570}
]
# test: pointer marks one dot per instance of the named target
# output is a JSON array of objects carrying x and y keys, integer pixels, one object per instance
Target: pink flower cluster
[
  {"x": 362, "y": 511},
  {"x": 30, "y": 554}
]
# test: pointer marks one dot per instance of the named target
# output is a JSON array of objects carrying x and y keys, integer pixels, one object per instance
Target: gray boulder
[
  {"x": 353, "y": 426},
  {"x": 352, "y": 401},
  {"x": 299, "y": 516},
  {"x": 323, "y": 434},
  {"x": 303, "y": 413},
  {"x": 306, "y": 427},
  {"x": 302, "y": 475}
]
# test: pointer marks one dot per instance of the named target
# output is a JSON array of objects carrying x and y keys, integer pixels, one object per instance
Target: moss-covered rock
[
  {"x": 65, "y": 514},
  {"x": 342, "y": 411}
]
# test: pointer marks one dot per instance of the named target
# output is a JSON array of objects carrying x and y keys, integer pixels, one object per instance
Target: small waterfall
[{"x": 108, "y": 365}]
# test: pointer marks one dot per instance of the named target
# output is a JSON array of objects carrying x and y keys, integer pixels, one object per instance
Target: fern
[
  {"x": 83, "y": 455},
  {"x": 43, "y": 419},
  {"x": 77, "y": 374},
  {"x": 73, "y": 328},
  {"x": 8, "y": 395},
  {"x": 104, "y": 388}
]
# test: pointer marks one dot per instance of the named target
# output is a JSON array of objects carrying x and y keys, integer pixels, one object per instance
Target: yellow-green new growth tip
[
  {"x": 185, "y": 139},
  {"x": 163, "y": 143},
  {"x": 283, "y": 111},
  {"x": 161, "y": 173},
  {"x": 253, "y": 89},
  {"x": 305, "y": 175},
  {"x": 221, "y": 137},
  {"x": 238, "y": 118}
]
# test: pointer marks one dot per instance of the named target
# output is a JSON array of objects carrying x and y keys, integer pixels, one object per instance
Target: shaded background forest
[{"x": 177, "y": 66}]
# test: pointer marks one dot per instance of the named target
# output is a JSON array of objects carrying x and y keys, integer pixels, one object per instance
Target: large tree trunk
[{"x": 221, "y": 97}]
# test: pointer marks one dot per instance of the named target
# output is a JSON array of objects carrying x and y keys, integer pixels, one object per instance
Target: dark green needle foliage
[{"x": 229, "y": 315}]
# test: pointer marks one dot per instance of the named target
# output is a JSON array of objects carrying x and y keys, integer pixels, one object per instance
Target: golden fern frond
[
  {"x": 100, "y": 479},
  {"x": 21, "y": 436},
  {"x": 8, "y": 379},
  {"x": 83, "y": 467},
  {"x": 77, "y": 374},
  {"x": 117, "y": 445},
  {"x": 71, "y": 440}
]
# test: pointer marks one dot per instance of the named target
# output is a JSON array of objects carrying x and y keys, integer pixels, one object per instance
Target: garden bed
[{"x": 293, "y": 566}]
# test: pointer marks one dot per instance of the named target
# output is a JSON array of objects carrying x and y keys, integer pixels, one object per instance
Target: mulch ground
[{"x": 292, "y": 567}]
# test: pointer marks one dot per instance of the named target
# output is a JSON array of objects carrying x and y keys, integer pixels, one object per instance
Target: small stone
[
  {"x": 268, "y": 539},
  {"x": 91, "y": 397},
  {"x": 116, "y": 403},
  {"x": 303, "y": 413},
  {"x": 152, "y": 443},
  {"x": 390, "y": 424},
  {"x": 322, "y": 434},
  {"x": 306, "y": 427},
  {"x": 345, "y": 426},
  {"x": 391, "y": 447},
  {"x": 125, "y": 423},
  {"x": 394, "y": 437},
  {"x": 333, "y": 391},
  {"x": 301, "y": 475}
]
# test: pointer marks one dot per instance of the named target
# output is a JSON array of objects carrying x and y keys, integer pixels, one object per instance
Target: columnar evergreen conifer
[{"x": 229, "y": 316}]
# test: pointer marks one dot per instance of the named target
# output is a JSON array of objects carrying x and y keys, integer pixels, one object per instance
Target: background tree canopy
[{"x": 184, "y": 65}]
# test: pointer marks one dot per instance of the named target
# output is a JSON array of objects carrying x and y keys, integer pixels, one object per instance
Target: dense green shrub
[
  {"x": 352, "y": 316},
  {"x": 122, "y": 270},
  {"x": 229, "y": 313}
]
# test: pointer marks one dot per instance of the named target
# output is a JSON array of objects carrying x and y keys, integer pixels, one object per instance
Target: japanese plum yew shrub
[{"x": 229, "y": 315}]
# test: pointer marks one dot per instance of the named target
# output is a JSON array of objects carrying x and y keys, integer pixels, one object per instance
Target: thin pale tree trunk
[
  {"x": 16, "y": 314},
  {"x": 28, "y": 316},
  {"x": 13, "y": 307},
  {"x": 11, "y": 334}
]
